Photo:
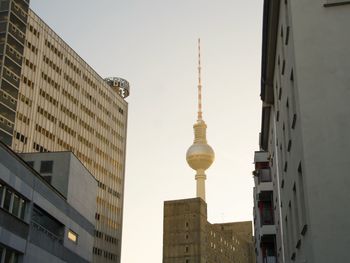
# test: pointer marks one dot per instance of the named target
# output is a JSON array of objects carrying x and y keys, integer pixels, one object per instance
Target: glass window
[
  {"x": 31, "y": 163},
  {"x": 1, "y": 193},
  {"x": 72, "y": 236},
  {"x": 46, "y": 166},
  {"x": 15, "y": 206},
  {"x": 23, "y": 209},
  {"x": 7, "y": 201}
]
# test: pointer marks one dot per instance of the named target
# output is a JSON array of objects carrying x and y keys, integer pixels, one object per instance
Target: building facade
[
  {"x": 52, "y": 100},
  {"x": 189, "y": 238},
  {"x": 38, "y": 223},
  {"x": 305, "y": 127}
]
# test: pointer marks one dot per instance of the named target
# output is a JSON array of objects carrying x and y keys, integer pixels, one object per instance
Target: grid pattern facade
[
  {"x": 52, "y": 100},
  {"x": 189, "y": 238}
]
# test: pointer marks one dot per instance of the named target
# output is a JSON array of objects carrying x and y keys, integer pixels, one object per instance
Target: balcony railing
[
  {"x": 269, "y": 260},
  {"x": 39, "y": 227},
  {"x": 264, "y": 176}
]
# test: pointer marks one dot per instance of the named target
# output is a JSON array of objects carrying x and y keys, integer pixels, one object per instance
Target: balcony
[
  {"x": 14, "y": 55},
  {"x": 19, "y": 12},
  {"x": 268, "y": 249},
  {"x": 18, "y": 34},
  {"x": 264, "y": 175}
]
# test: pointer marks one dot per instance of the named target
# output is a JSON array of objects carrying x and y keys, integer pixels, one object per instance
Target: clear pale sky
[{"x": 153, "y": 44}]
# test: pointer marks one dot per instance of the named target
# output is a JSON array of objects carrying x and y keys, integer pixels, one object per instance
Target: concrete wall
[{"x": 309, "y": 129}]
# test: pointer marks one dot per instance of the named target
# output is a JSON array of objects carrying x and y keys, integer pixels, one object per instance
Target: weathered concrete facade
[
  {"x": 188, "y": 237},
  {"x": 305, "y": 126}
]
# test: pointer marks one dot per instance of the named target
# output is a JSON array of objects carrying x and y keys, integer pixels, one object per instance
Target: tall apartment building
[
  {"x": 52, "y": 100},
  {"x": 305, "y": 128}
]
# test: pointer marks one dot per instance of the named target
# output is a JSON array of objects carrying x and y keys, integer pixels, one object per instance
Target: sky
[{"x": 153, "y": 44}]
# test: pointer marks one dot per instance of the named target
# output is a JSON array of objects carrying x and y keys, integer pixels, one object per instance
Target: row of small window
[
  {"x": 69, "y": 113},
  {"x": 105, "y": 220},
  {"x": 106, "y": 254},
  {"x": 47, "y": 115},
  {"x": 34, "y": 31},
  {"x": 45, "y": 132},
  {"x": 73, "y": 83},
  {"x": 89, "y": 82},
  {"x": 8, "y": 255},
  {"x": 30, "y": 64},
  {"x": 23, "y": 118},
  {"x": 12, "y": 202},
  {"x": 87, "y": 126},
  {"x": 106, "y": 237},
  {"x": 102, "y": 138},
  {"x": 110, "y": 190},
  {"x": 72, "y": 66},
  {"x": 45, "y": 95},
  {"x": 108, "y": 205},
  {"x": 52, "y": 64},
  {"x": 84, "y": 141},
  {"x": 39, "y": 148},
  {"x": 67, "y": 129},
  {"x": 33, "y": 48},
  {"x": 25, "y": 100},
  {"x": 53, "y": 49},
  {"x": 28, "y": 82},
  {"x": 50, "y": 81},
  {"x": 21, "y": 137},
  {"x": 87, "y": 111},
  {"x": 88, "y": 96},
  {"x": 69, "y": 96}
]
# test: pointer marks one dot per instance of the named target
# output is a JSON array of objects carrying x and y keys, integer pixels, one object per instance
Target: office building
[
  {"x": 39, "y": 223},
  {"x": 305, "y": 128},
  {"x": 52, "y": 100},
  {"x": 188, "y": 237}
]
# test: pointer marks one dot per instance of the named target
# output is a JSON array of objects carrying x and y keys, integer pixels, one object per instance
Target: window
[
  {"x": 12, "y": 202},
  {"x": 335, "y": 2},
  {"x": 72, "y": 236},
  {"x": 46, "y": 166},
  {"x": 31, "y": 163}
]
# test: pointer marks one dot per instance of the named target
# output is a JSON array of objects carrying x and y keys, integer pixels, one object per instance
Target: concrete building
[
  {"x": 52, "y": 100},
  {"x": 188, "y": 237},
  {"x": 264, "y": 215},
  {"x": 305, "y": 126},
  {"x": 39, "y": 223}
]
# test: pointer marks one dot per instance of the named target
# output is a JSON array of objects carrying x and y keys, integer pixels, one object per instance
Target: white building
[{"x": 306, "y": 126}]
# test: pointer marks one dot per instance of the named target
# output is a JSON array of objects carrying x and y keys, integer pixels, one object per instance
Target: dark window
[
  {"x": 7, "y": 200},
  {"x": 46, "y": 166},
  {"x": 31, "y": 163}
]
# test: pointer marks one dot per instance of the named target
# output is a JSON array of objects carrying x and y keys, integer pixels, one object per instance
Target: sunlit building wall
[{"x": 52, "y": 100}]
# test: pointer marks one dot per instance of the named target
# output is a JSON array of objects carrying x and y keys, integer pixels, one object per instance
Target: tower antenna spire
[
  {"x": 199, "y": 82},
  {"x": 200, "y": 155}
]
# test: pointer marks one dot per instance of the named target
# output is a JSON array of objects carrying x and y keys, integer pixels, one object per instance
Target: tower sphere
[{"x": 200, "y": 155}]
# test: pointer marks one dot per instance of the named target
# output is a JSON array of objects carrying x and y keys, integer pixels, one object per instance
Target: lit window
[{"x": 72, "y": 236}]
